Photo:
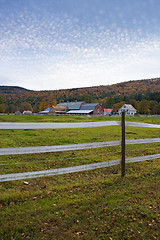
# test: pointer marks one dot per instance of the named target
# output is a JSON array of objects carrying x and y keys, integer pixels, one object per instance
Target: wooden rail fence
[{"x": 26, "y": 175}]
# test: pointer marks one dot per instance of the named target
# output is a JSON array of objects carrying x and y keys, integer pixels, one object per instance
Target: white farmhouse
[{"x": 128, "y": 109}]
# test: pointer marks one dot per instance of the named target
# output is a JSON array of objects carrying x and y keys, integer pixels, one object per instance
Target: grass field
[
  {"x": 96, "y": 204},
  {"x": 44, "y": 137},
  {"x": 52, "y": 118},
  {"x": 46, "y": 161}
]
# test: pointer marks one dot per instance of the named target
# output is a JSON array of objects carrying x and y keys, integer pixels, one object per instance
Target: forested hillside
[{"x": 142, "y": 94}]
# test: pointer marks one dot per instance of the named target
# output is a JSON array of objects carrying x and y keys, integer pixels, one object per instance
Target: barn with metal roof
[
  {"x": 71, "y": 105},
  {"x": 75, "y": 108},
  {"x": 89, "y": 106},
  {"x": 86, "y": 109}
]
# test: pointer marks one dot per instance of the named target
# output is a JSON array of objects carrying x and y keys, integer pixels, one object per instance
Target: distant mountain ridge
[
  {"x": 11, "y": 89},
  {"x": 144, "y": 84}
]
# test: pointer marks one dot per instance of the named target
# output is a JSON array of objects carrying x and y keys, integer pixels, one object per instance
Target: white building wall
[{"x": 127, "y": 111}]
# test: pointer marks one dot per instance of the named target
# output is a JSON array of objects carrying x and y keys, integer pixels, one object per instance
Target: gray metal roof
[
  {"x": 71, "y": 105},
  {"x": 89, "y": 106},
  {"x": 45, "y": 111}
]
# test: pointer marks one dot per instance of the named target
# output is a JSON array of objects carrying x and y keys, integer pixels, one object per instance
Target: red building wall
[{"x": 98, "y": 110}]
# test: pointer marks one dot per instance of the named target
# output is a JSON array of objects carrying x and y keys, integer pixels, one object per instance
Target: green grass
[
  {"x": 34, "y": 162},
  {"x": 44, "y": 137},
  {"x": 36, "y": 137},
  {"x": 95, "y": 204},
  {"x": 41, "y": 161},
  {"x": 146, "y": 119},
  {"x": 51, "y": 118}
]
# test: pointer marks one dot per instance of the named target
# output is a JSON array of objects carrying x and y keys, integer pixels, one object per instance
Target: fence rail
[
  {"x": 72, "y": 147},
  {"x": 33, "y": 125},
  {"x": 60, "y": 171},
  {"x": 35, "y": 174}
]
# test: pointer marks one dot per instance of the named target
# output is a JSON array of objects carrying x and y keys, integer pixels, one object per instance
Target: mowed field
[
  {"x": 52, "y": 118},
  {"x": 95, "y": 204}
]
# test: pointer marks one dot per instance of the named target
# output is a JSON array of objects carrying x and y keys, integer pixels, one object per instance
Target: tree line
[
  {"x": 145, "y": 103},
  {"x": 144, "y": 95}
]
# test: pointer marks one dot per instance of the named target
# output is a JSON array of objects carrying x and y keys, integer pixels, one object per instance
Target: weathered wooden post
[{"x": 123, "y": 145}]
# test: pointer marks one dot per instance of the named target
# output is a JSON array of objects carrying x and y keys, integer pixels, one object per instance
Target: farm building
[
  {"x": 71, "y": 105},
  {"x": 75, "y": 108},
  {"x": 46, "y": 111},
  {"x": 88, "y": 109},
  {"x": 97, "y": 109},
  {"x": 108, "y": 112},
  {"x": 128, "y": 109},
  {"x": 27, "y": 112},
  {"x": 58, "y": 110}
]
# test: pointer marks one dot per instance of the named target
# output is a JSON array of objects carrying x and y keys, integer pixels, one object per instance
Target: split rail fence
[{"x": 51, "y": 172}]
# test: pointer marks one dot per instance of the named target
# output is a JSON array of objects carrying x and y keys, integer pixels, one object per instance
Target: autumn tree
[
  {"x": 87, "y": 98},
  {"x": 1, "y": 105},
  {"x": 54, "y": 102},
  {"x": 109, "y": 102},
  {"x": 153, "y": 105},
  {"x": 10, "y": 108},
  {"x": 134, "y": 103},
  {"x": 143, "y": 107},
  {"x": 36, "y": 108},
  {"x": 158, "y": 108},
  {"x": 117, "y": 106},
  {"x": 25, "y": 106},
  {"x": 1, "y": 108},
  {"x": 43, "y": 105}
]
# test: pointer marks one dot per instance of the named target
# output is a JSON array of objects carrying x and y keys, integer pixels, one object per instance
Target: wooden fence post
[{"x": 123, "y": 145}]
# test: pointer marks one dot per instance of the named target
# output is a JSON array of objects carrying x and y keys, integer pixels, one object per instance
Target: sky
[{"x": 61, "y": 44}]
